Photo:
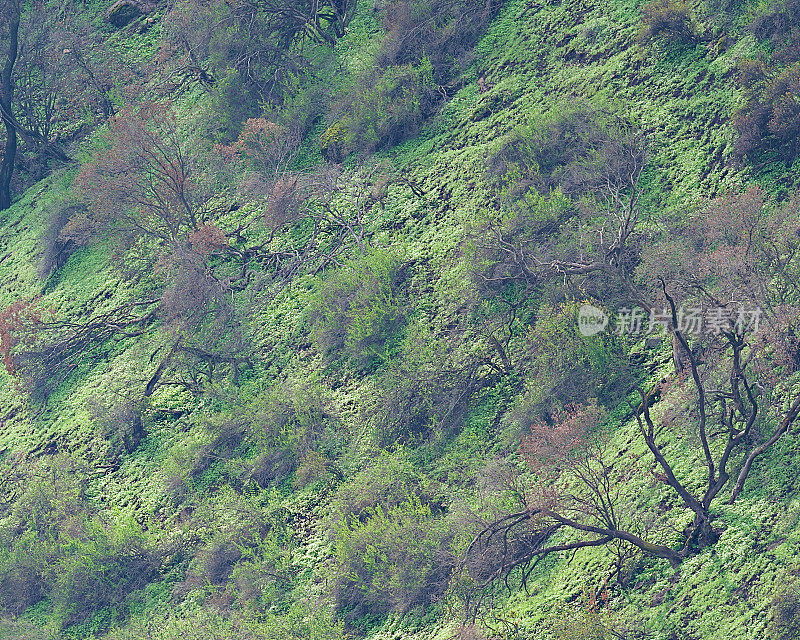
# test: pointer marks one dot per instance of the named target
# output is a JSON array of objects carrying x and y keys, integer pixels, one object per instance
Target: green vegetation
[{"x": 289, "y": 307}]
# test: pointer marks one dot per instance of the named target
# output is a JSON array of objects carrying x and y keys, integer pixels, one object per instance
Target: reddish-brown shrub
[
  {"x": 144, "y": 182},
  {"x": 562, "y": 440},
  {"x": 207, "y": 239},
  {"x": 16, "y": 322}
]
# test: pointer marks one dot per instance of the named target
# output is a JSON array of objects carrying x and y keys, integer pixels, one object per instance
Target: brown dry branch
[
  {"x": 145, "y": 183},
  {"x": 42, "y": 352}
]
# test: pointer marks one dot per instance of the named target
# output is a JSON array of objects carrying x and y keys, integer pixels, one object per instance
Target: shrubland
[{"x": 290, "y": 303}]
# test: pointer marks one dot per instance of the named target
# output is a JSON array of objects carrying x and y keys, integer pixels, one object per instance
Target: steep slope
[{"x": 332, "y": 486}]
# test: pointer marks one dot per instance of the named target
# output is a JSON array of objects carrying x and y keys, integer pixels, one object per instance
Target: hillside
[{"x": 292, "y": 320}]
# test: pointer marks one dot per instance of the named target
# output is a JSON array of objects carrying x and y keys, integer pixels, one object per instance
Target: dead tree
[
  {"x": 579, "y": 490},
  {"x": 10, "y": 12}
]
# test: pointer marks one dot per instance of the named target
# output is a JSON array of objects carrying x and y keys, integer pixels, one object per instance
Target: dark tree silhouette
[
  {"x": 10, "y": 17},
  {"x": 743, "y": 250}
]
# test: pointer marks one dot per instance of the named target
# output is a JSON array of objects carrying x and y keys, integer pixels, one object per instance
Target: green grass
[
  {"x": 534, "y": 57},
  {"x": 16, "y": 630}
]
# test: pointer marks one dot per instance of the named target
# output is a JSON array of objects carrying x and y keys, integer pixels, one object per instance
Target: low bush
[
  {"x": 119, "y": 423},
  {"x": 425, "y": 46},
  {"x": 305, "y": 619},
  {"x": 442, "y": 31},
  {"x": 572, "y": 146},
  {"x": 52, "y": 502},
  {"x": 258, "y": 439},
  {"x": 769, "y": 122},
  {"x": 100, "y": 573},
  {"x": 423, "y": 393},
  {"x": 785, "y": 623},
  {"x": 22, "y": 566},
  {"x": 57, "y": 547},
  {"x": 777, "y": 22},
  {"x": 561, "y": 187},
  {"x": 245, "y": 552},
  {"x": 359, "y": 310},
  {"x": 63, "y": 236},
  {"x": 383, "y": 109},
  {"x": 669, "y": 19},
  {"x": 562, "y": 367},
  {"x": 397, "y": 558},
  {"x": 389, "y": 480}
]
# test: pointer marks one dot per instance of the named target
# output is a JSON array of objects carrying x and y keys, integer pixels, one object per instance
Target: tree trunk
[
  {"x": 677, "y": 359},
  {"x": 7, "y": 168},
  {"x": 6, "y": 100}
]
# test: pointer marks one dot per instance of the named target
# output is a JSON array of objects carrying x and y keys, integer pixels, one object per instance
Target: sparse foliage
[
  {"x": 744, "y": 251},
  {"x": 670, "y": 19},
  {"x": 588, "y": 230},
  {"x": 145, "y": 183}
]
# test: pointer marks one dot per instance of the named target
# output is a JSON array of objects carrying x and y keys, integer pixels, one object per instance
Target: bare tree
[
  {"x": 145, "y": 182},
  {"x": 578, "y": 487},
  {"x": 53, "y": 67},
  {"x": 740, "y": 267},
  {"x": 42, "y": 351}
]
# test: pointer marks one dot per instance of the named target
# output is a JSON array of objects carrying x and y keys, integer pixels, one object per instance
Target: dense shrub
[
  {"x": 778, "y": 22},
  {"x": 22, "y": 567},
  {"x": 389, "y": 480},
  {"x": 568, "y": 196},
  {"x": 100, "y": 573},
  {"x": 421, "y": 400},
  {"x": 426, "y": 45},
  {"x": 768, "y": 123},
  {"x": 62, "y": 237},
  {"x": 572, "y": 146},
  {"x": 119, "y": 423},
  {"x": 250, "y": 54},
  {"x": 443, "y": 31},
  {"x": 785, "y": 623},
  {"x": 246, "y": 552},
  {"x": 258, "y": 439},
  {"x": 562, "y": 367},
  {"x": 384, "y": 108},
  {"x": 770, "y": 119},
  {"x": 424, "y": 391},
  {"x": 359, "y": 309},
  {"x": 52, "y": 501},
  {"x": 260, "y": 157},
  {"x": 670, "y": 19},
  {"x": 57, "y": 546},
  {"x": 588, "y": 624},
  {"x": 234, "y": 100},
  {"x": 395, "y": 559},
  {"x": 216, "y": 561}
]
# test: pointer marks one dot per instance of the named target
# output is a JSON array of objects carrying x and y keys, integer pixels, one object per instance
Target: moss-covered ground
[{"x": 536, "y": 56}]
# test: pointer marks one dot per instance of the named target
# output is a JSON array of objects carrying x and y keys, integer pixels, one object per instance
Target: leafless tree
[
  {"x": 145, "y": 182},
  {"x": 737, "y": 264}
]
